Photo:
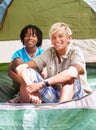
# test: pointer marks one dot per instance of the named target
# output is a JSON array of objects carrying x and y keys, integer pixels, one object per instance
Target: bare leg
[
  {"x": 24, "y": 96},
  {"x": 66, "y": 93}
]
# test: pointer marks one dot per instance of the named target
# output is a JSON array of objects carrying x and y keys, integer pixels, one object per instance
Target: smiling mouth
[{"x": 58, "y": 45}]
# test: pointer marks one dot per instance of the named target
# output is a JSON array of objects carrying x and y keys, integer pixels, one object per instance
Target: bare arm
[
  {"x": 67, "y": 75},
  {"x": 31, "y": 64},
  {"x": 12, "y": 74},
  {"x": 12, "y": 67},
  {"x": 63, "y": 77}
]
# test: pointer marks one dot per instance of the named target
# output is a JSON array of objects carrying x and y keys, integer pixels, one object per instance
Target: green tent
[
  {"x": 77, "y": 13},
  {"x": 73, "y": 115}
]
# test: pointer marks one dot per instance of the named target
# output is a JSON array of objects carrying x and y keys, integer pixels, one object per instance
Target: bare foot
[
  {"x": 26, "y": 97},
  {"x": 36, "y": 98}
]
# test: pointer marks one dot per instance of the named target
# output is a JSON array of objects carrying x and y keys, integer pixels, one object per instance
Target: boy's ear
[{"x": 70, "y": 38}]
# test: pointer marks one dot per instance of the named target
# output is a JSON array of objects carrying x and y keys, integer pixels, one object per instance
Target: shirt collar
[{"x": 67, "y": 52}]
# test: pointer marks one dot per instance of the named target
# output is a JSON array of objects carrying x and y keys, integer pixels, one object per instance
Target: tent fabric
[
  {"x": 4, "y": 4},
  {"x": 87, "y": 46},
  {"x": 91, "y": 3},
  {"x": 6, "y": 90},
  {"x": 77, "y": 14},
  {"x": 73, "y": 115}
]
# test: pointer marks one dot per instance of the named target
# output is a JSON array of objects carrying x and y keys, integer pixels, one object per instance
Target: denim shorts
[{"x": 50, "y": 94}]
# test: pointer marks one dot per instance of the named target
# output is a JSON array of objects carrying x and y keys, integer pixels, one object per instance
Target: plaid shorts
[{"x": 50, "y": 94}]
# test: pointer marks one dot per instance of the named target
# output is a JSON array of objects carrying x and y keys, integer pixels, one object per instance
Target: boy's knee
[{"x": 17, "y": 61}]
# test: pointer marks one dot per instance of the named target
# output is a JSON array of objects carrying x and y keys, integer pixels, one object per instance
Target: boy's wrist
[{"x": 46, "y": 83}]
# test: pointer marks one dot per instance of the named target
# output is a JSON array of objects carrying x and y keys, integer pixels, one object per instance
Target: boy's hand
[{"x": 35, "y": 87}]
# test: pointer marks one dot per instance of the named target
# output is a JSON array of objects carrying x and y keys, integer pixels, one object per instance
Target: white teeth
[{"x": 59, "y": 44}]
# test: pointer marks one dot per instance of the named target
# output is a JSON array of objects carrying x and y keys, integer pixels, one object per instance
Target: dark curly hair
[{"x": 35, "y": 30}]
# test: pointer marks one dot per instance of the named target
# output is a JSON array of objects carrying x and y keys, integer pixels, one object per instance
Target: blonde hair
[{"x": 60, "y": 26}]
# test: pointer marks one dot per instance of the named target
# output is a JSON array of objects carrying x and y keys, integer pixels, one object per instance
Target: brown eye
[
  {"x": 61, "y": 35},
  {"x": 34, "y": 35},
  {"x": 27, "y": 35},
  {"x": 53, "y": 38}
]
